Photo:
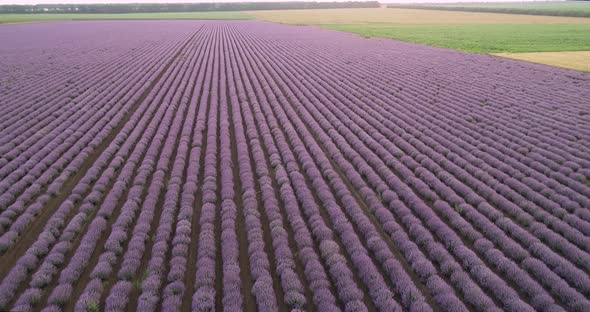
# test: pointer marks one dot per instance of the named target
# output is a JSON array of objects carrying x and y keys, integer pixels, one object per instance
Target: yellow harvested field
[
  {"x": 578, "y": 60},
  {"x": 405, "y": 16}
]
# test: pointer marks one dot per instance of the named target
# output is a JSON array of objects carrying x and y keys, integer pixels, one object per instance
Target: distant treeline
[
  {"x": 181, "y": 7},
  {"x": 526, "y": 11}
]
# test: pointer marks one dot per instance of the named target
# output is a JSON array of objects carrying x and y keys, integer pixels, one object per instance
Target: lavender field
[{"x": 228, "y": 166}]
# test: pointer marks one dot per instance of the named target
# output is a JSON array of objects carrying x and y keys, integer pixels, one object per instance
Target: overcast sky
[{"x": 192, "y": 1}]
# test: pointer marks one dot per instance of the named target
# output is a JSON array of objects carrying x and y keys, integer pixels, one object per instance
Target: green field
[
  {"x": 482, "y": 38},
  {"x": 24, "y": 18},
  {"x": 557, "y": 8}
]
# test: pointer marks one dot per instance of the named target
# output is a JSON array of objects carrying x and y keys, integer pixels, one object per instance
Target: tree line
[
  {"x": 471, "y": 7},
  {"x": 180, "y": 7}
]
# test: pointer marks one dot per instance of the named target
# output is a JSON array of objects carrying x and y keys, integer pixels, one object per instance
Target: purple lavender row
[
  {"x": 341, "y": 118},
  {"x": 328, "y": 248},
  {"x": 232, "y": 289},
  {"x": 396, "y": 270},
  {"x": 505, "y": 125},
  {"x": 12, "y": 154},
  {"x": 259, "y": 264},
  {"x": 77, "y": 263},
  {"x": 364, "y": 171},
  {"x": 565, "y": 228},
  {"x": 425, "y": 63},
  {"x": 36, "y": 207},
  {"x": 175, "y": 289},
  {"x": 291, "y": 284},
  {"x": 38, "y": 125},
  {"x": 535, "y": 151},
  {"x": 79, "y": 152},
  {"x": 537, "y": 176},
  {"x": 384, "y": 157},
  {"x": 152, "y": 280},
  {"x": 570, "y": 221},
  {"x": 69, "y": 56},
  {"x": 314, "y": 270},
  {"x": 48, "y": 86},
  {"x": 120, "y": 147},
  {"x": 431, "y": 72},
  {"x": 40, "y": 162},
  {"x": 204, "y": 297},
  {"x": 464, "y": 194},
  {"x": 139, "y": 165},
  {"x": 155, "y": 177},
  {"x": 348, "y": 291},
  {"x": 62, "y": 89},
  {"x": 58, "y": 111},
  {"x": 362, "y": 189},
  {"x": 172, "y": 296},
  {"x": 463, "y": 134},
  {"x": 288, "y": 183},
  {"x": 58, "y": 117},
  {"x": 28, "y": 116},
  {"x": 379, "y": 293},
  {"x": 29, "y": 47},
  {"x": 528, "y": 186},
  {"x": 48, "y": 43}
]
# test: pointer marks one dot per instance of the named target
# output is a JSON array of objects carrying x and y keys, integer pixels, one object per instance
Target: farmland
[
  {"x": 248, "y": 165},
  {"x": 549, "y": 8},
  {"x": 26, "y": 18},
  {"x": 466, "y": 31},
  {"x": 406, "y": 17},
  {"x": 577, "y": 60},
  {"x": 485, "y": 39},
  {"x": 475, "y": 32}
]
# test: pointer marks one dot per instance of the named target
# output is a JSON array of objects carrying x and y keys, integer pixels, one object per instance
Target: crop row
[{"x": 247, "y": 165}]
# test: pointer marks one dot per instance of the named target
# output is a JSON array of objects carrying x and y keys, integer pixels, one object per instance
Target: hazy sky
[
  {"x": 121, "y": 1},
  {"x": 191, "y": 1}
]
